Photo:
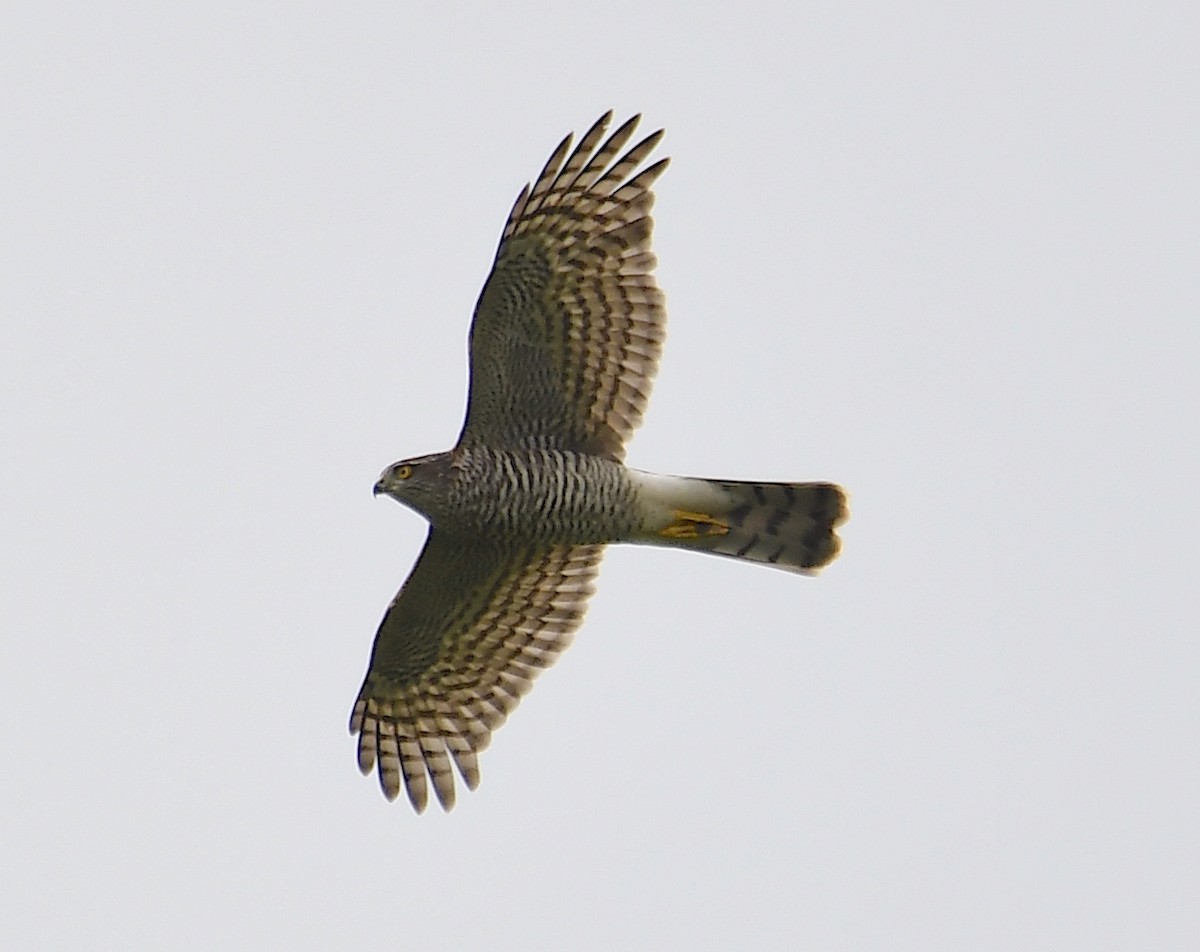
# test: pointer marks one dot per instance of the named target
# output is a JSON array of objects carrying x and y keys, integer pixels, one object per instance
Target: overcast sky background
[{"x": 945, "y": 254}]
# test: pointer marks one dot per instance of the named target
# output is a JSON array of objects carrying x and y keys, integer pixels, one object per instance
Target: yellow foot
[{"x": 692, "y": 525}]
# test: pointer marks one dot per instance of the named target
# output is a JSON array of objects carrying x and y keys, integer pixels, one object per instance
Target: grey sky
[{"x": 944, "y": 254}]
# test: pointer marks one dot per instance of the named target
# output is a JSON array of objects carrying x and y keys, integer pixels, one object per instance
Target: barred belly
[{"x": 544, "y": 495}]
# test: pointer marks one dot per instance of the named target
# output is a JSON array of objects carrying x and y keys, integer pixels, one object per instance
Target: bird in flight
[{"x": 564, "y": 344}]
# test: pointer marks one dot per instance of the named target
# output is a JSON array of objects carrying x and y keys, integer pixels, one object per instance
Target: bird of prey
[{"x": 564, "y": 343}]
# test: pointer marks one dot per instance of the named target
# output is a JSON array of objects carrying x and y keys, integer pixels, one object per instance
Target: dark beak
[{"x": 379, "y": 488}]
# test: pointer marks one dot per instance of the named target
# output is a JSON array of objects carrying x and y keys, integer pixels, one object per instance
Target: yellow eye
[{"x": 403, "y": 471}]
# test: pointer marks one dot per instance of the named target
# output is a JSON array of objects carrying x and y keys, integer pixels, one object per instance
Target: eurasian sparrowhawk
[{"x": 564, "y": 343}]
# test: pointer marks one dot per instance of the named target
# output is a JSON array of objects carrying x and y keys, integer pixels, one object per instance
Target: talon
[{"x": 692, "y": 525}]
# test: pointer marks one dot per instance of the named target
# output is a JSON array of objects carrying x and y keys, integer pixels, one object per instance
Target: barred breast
[{"x": 543, "y": 495}]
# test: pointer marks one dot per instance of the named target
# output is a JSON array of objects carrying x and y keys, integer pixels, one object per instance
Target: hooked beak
[{"x": 379, "y": 488}]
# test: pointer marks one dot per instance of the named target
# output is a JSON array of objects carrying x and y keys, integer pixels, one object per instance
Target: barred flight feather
[{"x": 411, "y": 731}]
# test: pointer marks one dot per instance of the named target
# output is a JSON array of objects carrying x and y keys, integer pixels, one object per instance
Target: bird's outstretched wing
[
  {"x": 460, "y": 644},
  {"x": 568, "y": 331}
]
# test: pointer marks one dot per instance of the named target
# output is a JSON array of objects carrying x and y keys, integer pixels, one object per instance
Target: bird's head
[{"x": 421, "y": 483}]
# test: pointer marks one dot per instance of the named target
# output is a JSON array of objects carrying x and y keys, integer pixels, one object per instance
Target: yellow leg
[{"x": 692, "y": 525}]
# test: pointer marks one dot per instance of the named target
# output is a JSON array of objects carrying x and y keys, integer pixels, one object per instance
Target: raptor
[{"x": 564, "y": 344}]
